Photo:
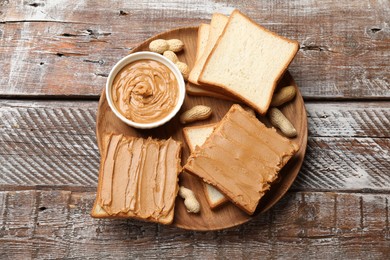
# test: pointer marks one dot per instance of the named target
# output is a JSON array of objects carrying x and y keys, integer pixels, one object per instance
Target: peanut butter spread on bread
[
  {"x": 139, "y": 178},
  {"x": 241, "y": 158}
]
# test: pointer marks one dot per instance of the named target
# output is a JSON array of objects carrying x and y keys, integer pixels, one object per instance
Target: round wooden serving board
[{"x": 226, "y": 215}]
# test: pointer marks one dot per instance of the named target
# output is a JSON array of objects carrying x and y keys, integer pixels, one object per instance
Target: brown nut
[
  {"x": 280, "y": 121},
  {"x": 284, "y": 95},
  {"x": 175, "y": 45},
  {"x": 159, "y": 46},
  {"x": 185, "y": 71},
  {"x": 196, "y": 113},
  {"x": 171, "y": 56}
]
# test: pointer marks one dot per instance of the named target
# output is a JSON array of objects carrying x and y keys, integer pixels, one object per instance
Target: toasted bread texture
[
  {"x": 202, "y": 41},
  {"x": 203, "y": 36},
  {"x": 196, "y": 136},
  {"x": 248, "y": 61},
  {"x": 218, "y": 22},
  {"x": 241, "y": 158}
]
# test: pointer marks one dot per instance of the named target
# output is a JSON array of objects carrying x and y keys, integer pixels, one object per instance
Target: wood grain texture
[
  {"x": 67, "y": 48},
  {"x": 345, "y": 164},
  {"x": 345, "y": 119},
  {"x": 305, "y": 225},
  {"x": 45, "y": 144},
  {"x": 52, "y": 144}
]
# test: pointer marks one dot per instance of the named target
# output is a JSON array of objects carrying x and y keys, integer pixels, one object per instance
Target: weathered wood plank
[
  {"x": 345, "y": 164},
  {"x": 42, "y": 144},
  {"x": 338, "y": 119},
  {"x": 325, "y": 119},
  {"x": 67, "y": 48},
  {"x": 305, "y": 225},
  {"x": 53, "y": 144}
]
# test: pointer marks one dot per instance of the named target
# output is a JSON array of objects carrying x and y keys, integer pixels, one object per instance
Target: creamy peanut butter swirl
[{"x": 145, "y": 91}]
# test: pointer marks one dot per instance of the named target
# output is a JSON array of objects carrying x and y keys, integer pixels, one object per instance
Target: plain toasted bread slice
[
  {"x": 202, "y": 41},
  {"x": 218, "y": 22},
  {"x": 203, "y": 36},
  {"x": 195, "y": 90},
  {"x": 248, "y": 61},
  {"x": 196, "y": 136}
]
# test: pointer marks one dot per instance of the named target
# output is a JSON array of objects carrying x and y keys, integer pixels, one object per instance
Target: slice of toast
[
  {"x": 218, "y": 22},
  {"x": 195, "y": 90},
  {"x": 248, "y": 61},
  {"x": 196, "y": 136},
  {"x": 138, "y": 178},
  {"x": 241, "y": 158},
  {"x": 192, "y": 89},
  {"x": 203, "y": 36}
]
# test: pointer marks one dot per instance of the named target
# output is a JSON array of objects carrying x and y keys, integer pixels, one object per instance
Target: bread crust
[
  {"x": 202, "y": 27},
  {"x": 215, "y": 86},
  {"x": 227, "y": 194},
  {"x": 193, "y": 78},
  {"x": 212, "y": 204},
  {"x": 199, "y": 91},
  {"x": 188, "y": 128},
  {"x": 96, "y": 209}
]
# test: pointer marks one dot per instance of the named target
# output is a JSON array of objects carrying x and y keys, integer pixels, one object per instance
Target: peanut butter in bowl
[{"x": 145, "y": 90}]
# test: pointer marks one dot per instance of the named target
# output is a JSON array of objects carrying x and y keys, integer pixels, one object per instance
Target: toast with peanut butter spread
[{"x": 241, "y": 158}]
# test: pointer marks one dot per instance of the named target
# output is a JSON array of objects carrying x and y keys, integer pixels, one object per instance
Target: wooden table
[{"x": 55, "y": 57}]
